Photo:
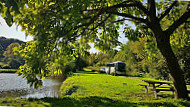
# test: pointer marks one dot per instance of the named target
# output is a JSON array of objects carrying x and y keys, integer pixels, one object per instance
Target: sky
[
  {"x": 12, "y": 32},
  {"x": 15, "y": 32}
]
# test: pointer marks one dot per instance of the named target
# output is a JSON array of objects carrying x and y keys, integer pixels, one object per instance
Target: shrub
[
  {"x": 14, "y": 64},
  {"x": 6, "y": 67},
  {"x": 70, "y": 67}
]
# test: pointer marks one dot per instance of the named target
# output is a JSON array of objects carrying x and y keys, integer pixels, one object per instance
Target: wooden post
[
  {"x": 155, "y": 92},
  {"x": 146, "y": 91}
]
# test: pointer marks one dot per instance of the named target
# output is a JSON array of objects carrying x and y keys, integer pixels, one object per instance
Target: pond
[{"x": 12, "y": 85}]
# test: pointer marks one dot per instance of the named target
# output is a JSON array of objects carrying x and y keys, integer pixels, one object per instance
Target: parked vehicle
[
  {"x": 115, "y": 68},
  {"x": 102, "y": 70}
]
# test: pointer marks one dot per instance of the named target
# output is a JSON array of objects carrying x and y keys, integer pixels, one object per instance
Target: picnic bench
[{"x": 157, "y": 86}]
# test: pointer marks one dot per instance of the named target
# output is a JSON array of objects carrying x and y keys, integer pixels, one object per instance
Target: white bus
[{"x": 116, "y": 68}]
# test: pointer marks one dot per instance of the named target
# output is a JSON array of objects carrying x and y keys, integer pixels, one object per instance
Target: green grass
[
  {"x": 89, "y": 102},
  {"x": 22, "y": 102},
  {"x": 90, "y": 89},
  {"x": 119, "y": 90},
  {"x": 8, "y": 70},
  {"x": 102, "y": 85}
]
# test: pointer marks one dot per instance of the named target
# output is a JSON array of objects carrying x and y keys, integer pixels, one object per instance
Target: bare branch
[
  {"x": 167, "y": 10},
  {"x": 178, "y": 22}
]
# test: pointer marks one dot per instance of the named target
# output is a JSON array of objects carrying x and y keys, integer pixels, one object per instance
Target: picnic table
[{"x": 158, "y": 86}]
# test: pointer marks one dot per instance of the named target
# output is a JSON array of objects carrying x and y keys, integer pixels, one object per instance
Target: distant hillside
[{"x": 5, "y": 42}]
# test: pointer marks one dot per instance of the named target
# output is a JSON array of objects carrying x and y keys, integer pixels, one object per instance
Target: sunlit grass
[
  {"x": 101, "y": 85},
  {"x": 84, "y": 85},
  {"x": 8, "y": 70}
]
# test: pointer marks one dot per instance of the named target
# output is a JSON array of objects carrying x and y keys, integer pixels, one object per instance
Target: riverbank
[
  {"x": 8, "y": 70},
  {"x": 90, "y": 89}
]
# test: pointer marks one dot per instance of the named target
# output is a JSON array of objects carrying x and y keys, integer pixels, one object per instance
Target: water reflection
[{"x": 12, "y": 85}]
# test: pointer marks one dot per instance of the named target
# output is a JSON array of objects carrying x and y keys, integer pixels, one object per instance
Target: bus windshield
[{"x": 110, "y": 65}]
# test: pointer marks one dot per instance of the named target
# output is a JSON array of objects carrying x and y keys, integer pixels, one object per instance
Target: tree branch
[
  {"x": 125, "y": 4},
  {"x": 141, "y": 7},
  {"x": 99, "y": 24},
  {"x": 128, "y": 16},
  {"x": 152, "y": 8},
  {"x": 167, "y": 11},
  {"x": 178, "y": 22},
  {"x": 121, "y": 20},
  {"x": 134, "y": 3}
]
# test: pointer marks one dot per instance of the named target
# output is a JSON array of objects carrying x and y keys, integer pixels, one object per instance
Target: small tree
[{"x": 9, "y": 53}]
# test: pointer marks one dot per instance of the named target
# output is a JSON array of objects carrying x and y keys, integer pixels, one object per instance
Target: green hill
[{"x": 5, "y": 42}]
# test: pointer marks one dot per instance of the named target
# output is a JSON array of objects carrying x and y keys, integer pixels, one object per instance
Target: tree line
[{"x": 8, "y": 58}]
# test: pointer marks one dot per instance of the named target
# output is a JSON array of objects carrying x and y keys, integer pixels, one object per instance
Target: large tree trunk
[{"x": 163, "y": 43}]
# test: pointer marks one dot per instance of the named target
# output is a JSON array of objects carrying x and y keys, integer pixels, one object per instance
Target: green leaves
[
  {"x": 8, "y": 8},
  {"x": 34, "y": 69}
]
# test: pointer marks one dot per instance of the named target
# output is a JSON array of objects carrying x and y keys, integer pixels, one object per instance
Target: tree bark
[{"x": 163, "y": 43}]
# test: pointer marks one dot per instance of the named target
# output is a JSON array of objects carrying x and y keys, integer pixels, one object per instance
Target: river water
[{"x": 12, "y": 85}]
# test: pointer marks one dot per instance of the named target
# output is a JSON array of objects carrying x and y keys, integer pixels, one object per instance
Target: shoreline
[{"x": 8, "y": 70}]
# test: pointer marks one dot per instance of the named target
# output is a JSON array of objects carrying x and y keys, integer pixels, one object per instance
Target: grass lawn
[
  {"x": 8, "y": 70},
  {"x": 106, "y": 90},
  {"x": 90, "y": 89}
]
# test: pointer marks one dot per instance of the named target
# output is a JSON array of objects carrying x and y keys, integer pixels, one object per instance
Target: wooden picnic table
[{"x": 157, "y": 86}]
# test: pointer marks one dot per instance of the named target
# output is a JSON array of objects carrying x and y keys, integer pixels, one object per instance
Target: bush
[
  {"x": 6, "y": 67},
  {"x": 80, "y": 64},
  {"x": 14, "y": 64},
  {"x": 134, "y": 74},
  {"x": 70, "y": 67}
]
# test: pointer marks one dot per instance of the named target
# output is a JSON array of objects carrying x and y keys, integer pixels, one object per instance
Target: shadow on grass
[{"x": 101, "y": 102}]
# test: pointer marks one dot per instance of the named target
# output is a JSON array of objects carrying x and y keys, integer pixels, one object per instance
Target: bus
[{"x": 116, "y": 68}]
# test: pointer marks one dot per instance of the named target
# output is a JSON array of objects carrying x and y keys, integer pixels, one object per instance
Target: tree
[
  {"x": 1, "y": 51},
  {"x": 66, "y": 21},
  {"x": 143, "y": 58},
  {"x": 9, "y": 53},
  {"x": 14, "y": 60}
]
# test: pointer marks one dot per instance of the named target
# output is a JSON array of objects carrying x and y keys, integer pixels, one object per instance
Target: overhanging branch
[
  {"x": 139, "y": 5},
  {"x": 167, "y": 10},
  {"x": 99, "y": 24},
  {"x": 125, "y": 4},
  {"x": 178, "y": 22},
  {"x": 128, "y": 16}
]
